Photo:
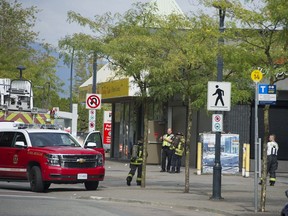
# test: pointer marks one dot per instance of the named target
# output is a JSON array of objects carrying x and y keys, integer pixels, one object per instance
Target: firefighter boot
[
  {"x": 138, "y": 180},
  {"x": 128, "y": 180}
]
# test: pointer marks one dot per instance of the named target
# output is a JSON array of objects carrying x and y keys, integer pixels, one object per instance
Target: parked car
[
  {"x": 43, "y": 157},
  {"x": 284, "y": 211}
]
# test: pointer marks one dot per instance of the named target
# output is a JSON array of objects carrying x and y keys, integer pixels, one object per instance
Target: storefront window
[
  {"x": 155, "y": 111},
  {"x": 128, "y": 126}
]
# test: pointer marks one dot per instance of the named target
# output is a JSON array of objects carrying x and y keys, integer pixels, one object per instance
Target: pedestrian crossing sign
[{"x": 219, "y": 96}]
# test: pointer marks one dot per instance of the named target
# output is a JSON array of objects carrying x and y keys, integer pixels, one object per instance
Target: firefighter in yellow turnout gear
[
  {"x": 178, "y": 150},
  {"x": 136, "y": 163}
]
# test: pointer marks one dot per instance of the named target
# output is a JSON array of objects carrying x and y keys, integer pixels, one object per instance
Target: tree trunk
[
  {"x": 264, "y": 158},
  {"x": 187, "y": 149},
  {"x": 145, "y": 110}
]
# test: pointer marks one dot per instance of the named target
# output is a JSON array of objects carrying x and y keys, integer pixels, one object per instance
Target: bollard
[
  {"x": 199, "y": 158},
  {"x": 244, "y": 159},
  {"x": 247, "y": 163}
]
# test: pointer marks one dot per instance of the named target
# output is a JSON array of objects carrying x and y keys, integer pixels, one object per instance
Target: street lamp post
[
  {"x": 21, "y": 68},
  {"x": 47, "y": 101},
  {"x": 94, "y": 72},
  {"x": 71, "y": 79},
  {"x": 217, "y": 168}
]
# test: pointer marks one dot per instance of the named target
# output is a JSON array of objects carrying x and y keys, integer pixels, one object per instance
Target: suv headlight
[
  {"x": 100, "y": 161},
  {"x": 53, "y": 159}
]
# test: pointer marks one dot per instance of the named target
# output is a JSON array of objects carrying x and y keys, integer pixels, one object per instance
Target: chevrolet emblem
[{"x": 81, "y": 160}]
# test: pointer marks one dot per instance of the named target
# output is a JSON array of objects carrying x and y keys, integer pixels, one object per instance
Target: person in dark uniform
[
  {"x": 136, "y": 162},
  {"x": 272, "y": 163},
  {"x": 178, "y": 147},
  {"x": 166, "y": 150}
]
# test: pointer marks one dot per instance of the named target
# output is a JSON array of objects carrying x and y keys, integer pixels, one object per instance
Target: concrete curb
[{"x": 150, "y": 203}]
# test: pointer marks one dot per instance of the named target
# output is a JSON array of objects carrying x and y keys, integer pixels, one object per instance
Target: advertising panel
[
  {"x": 107, "y": 129},
  {"x": 229, "y": 153}
]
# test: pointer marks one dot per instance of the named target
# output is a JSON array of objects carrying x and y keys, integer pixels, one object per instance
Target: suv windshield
[{"x": 52, "y": 139}]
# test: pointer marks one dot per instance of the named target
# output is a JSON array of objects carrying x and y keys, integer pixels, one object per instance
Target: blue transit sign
[{"x": 267, "y": 94}]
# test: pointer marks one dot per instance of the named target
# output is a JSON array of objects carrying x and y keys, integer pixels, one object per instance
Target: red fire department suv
[{"x": 43, "y": 157}]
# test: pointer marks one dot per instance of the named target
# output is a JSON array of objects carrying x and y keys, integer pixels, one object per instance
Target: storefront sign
[{"x": 107, "y": 127}]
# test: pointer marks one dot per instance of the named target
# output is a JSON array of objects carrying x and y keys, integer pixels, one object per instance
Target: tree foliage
[
  {"x": 18, "y": 47},
  {"x": 262, "y": 37},
  {"x": 177, "y": 54},
  {"x": 16, "y": 34},
  {"x": 171, "y": 55}
]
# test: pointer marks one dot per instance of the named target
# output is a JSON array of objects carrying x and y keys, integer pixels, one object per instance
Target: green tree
[
  {"x": 126, "y": 44},
  {"x": 86, "y": 50},
  {"x": 16, "y": 35},
  {"x": 81, "y": 73},
  {"x": 18, "y": 47},
  {"x": 185, "y": 65},
  {"x": 262, "y": 34},
  {"x": 129, "y": 49},
  {"x": 173, "y": 53},
  {"x": 41, "y": 70}
]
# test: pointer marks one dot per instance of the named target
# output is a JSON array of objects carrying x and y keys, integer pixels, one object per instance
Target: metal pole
[
  {"x": 71, "y": 79},
  {"x": 259, "y": 158},
  {"x": 48, "y": 98},
  {"x": 256, "y": 151},
  {"x": 21, "y": 68},
  {"x": 217, "y": 168},
  {"x": 94, "y": 89},
  {"x": 94, "y": 72}
]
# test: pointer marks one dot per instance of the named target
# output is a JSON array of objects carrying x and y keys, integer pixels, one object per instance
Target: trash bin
[{"x": 154, "y": 153}]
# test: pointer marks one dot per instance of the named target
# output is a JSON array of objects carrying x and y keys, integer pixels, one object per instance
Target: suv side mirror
[
  {"x": 91, "y": 145},
  {"x": 20, "y": 144}
]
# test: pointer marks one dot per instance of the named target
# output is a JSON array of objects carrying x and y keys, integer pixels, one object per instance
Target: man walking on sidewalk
[{"x": 136, "y": 162}]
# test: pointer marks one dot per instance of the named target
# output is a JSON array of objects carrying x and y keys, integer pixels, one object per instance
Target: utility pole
[
  {"x": 217, "y": 168},
  {"x": 94, "y": 72},
  {"x": 71, "y": 79}
]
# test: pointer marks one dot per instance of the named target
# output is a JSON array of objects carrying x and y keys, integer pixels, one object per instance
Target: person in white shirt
[{"x": 272, "y": 163}]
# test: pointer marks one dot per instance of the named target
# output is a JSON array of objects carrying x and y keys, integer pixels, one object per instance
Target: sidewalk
[{"x": 165, "y": 189}]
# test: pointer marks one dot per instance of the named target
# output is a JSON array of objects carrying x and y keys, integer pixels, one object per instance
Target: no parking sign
[{"x": 217, "y": 122}]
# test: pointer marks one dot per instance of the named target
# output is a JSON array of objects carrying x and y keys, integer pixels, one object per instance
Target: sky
[{"x": 52, "y": 22}]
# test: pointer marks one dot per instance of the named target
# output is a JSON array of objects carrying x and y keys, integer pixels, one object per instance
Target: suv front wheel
[
  {"x": 35, "y": 179},
  {"x": 91, "y": 185}
]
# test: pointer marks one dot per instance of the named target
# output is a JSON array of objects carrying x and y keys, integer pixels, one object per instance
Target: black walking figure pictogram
[{"x": 220, "y": 93}]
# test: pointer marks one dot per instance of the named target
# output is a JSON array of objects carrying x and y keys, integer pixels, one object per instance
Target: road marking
[
  {"x": 11, "y": 191},
  {"x": 21, "y": 196}
]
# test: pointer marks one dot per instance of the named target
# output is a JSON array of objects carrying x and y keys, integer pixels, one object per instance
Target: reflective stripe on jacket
[
  {"x": 139, "y": 158},
  {"x": 179, "y": 150},
  {"x": 166, "y": 143}
]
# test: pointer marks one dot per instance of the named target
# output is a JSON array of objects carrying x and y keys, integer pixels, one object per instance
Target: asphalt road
[
  {"x": 16, "y": 199},
  {"x": 163, "y": 195}
]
